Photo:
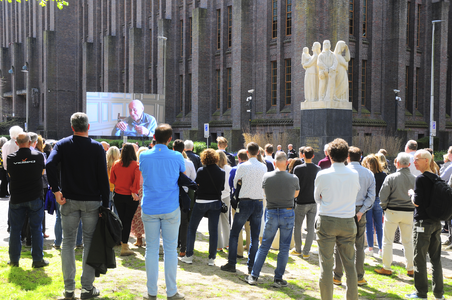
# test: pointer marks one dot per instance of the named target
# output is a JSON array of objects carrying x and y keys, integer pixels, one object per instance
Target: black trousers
[
  {"x": 126, "y": 210},
  {"x": 4, "y": 184}
]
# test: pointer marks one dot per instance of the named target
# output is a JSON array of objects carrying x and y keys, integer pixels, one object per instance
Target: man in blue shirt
[
  {"x": 137, "y": 124},
  {"x": 160, "y": 168}
]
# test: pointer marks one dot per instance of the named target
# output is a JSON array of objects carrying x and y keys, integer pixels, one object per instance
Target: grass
[{"x": 197, "y": 281}]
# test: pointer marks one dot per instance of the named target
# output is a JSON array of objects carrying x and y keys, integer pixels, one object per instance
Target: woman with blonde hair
[
  {"x": 137, "y": 228},
  {"x": 113, "y": 155},
  {"x": 374, "y": 216},
  {"x": 223, "y": 223},
  {"x": 384, "y": 163}
]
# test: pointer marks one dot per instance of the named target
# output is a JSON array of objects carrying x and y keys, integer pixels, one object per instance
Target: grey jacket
[{"x": 394, "y": 191}]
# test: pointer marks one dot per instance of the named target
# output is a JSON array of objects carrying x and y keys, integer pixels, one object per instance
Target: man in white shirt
[
  {"x": 335, "y": 192},
  {"x": 250, "y": 206},
  {"x": 411, "y": 148}
]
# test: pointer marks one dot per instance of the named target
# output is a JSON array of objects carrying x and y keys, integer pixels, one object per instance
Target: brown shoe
[
  {"x": 125, "y": 251},
  {"x": 181, "y": 254},
  {"x": 383, "y": 271},
  {"x": 139, "y": 242},
  {"x": 410, "y": 273}
]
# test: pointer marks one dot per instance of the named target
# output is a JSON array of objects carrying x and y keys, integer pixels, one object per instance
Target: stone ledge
[
  {"x": 271, "y": 122},
  {"x": 326, "y": 105},
  {"x": 220, "y": 123},
  {"x": 369, "y": 122}
]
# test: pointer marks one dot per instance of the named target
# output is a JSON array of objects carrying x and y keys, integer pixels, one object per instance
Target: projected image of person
[{"x": 138, "y": 123}]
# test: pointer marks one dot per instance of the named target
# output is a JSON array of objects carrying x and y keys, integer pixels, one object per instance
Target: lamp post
[
  {"x": 164, "y": 62},
  {"x": 25, "y": 70},
  {"x": 397, "y": 100},
  {"x": 432, "y": 88}
]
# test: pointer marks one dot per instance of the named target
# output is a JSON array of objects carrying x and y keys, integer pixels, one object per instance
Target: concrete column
[
  {"x": 32, "y": 85},
  {"x": 111, "y": 75},
  {"x": 50, "y": 85},
  {"x": 136, "y": 61},
  {"x": 242, "y": 45},
  {"x": 201, "y": 72}
]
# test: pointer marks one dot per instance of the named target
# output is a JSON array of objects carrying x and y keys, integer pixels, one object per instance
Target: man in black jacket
[
  {"x": 222, "y": 145},
  {"x": 25, "y": 167},
  {"x": 192, "y": 155},
  {"x": 84, "y": 183}
]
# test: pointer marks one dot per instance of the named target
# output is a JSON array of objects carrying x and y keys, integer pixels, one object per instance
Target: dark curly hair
[
  {"x": 338, "y": 150},
  {"x": 209, "y": 157}
]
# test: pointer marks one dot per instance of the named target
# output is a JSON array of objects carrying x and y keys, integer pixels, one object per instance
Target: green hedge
[{"x": 425, "y": 143}]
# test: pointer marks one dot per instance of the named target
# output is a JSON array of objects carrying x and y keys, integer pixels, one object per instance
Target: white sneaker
[
  {"x": 380, "y": 253},
  {"x": 211, "y": 262},
  {"x": 368, "y": 252},
  {"x": 187, "y": 259}
]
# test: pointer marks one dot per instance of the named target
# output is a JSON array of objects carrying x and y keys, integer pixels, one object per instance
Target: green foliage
[
  {"x": 170, "y": 145},
  {"x": 60, "y": 3},
  {"x": 5, "y": 126},
  {"x": 424, "y": 142}
]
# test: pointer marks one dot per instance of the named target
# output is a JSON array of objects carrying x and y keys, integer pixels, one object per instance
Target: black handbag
[{"x": 224, "y": 207}]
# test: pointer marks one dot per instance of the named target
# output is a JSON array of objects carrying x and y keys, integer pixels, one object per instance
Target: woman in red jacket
[{"x": 125, "y": 175}]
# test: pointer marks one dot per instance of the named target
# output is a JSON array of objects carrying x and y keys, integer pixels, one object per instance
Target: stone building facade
[{"x": 205, "y": 55}]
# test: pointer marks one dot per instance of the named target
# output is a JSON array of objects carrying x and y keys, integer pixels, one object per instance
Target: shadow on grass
[
  {"x": 28, "y": 280},
  {"x": 372, "y": 293}
]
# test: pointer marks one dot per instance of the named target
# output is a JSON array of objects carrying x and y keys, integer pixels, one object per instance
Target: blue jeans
[
  {"x": 168, "y": 225},
  {"x": 283, "y": 219},
  {"x": 59, "y": 229},
  {"x": 213, "y": 210},
  {"x": 71, "y": 214},
  {"x": 252, "y": 210},
  {"x": 374, "y": 219},
  {"x": 34, "y": 210}
]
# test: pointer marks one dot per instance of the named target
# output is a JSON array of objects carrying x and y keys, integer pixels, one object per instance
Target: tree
[{"x": 60, "y": 3}]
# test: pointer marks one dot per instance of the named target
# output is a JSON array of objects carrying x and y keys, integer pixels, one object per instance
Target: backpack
[{"x": 440, "y": 208}]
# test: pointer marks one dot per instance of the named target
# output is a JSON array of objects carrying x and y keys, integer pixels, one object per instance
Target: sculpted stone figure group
[{"x": 326, "y": 77}]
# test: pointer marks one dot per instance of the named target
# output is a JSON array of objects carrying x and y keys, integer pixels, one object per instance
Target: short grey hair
[
  {"x": 280, "y": 156},
  {"x": 79, "y": 121},
  {"x": 404, "y": 159},
  {"x": 3, "y": 140},
  {"x": 412, "y": 145},
  {"x": 424, "y": 154},
  {"x": 33, "y": 137},
  {"x": 188, "y": 144}
]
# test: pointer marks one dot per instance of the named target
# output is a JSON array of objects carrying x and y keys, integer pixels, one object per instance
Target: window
[
  {"x": 218, "y": 29},
  {"x": 288, "y": 77},
  {"x": 274, "y": 19},
  {"x": 364, "y": 18},
  {"x": 363, "y": 83},
  {"x": 274, "y": 82},
  {"x": 229, "y": 26},
  {"x": 191, "y": 36},
  {"x": 350, "y": 80},
  {"x": 181, "y": 38},
  {"x": 408, "y": 24},
  {"x": 181, "y": 89},
  {"x": 407, "y": 88},
  {"x": 289, "y": 17},
  {"x": 229, "y": 102},
  {"x": 189, "y": 92},
  {"x": 418, "y": 36},
  {"x": 417, "y": 89},
  {"x": 218, "y": 88},
  {"x": 351, "y": 16}
]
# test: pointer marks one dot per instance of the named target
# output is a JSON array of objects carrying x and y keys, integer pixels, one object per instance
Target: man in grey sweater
[{"x": 396, "y": 203}]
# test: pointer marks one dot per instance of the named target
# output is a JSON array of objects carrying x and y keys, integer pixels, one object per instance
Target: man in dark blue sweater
[{"x": 84, "y": 183}]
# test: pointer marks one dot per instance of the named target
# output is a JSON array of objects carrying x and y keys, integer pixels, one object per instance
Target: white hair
[
  {"x": 15, "y": 131},
  {"x": 280, "y": 156},
  {"x": 188, "y": 144},
  {"x": 404, "y": 159},
  {"x": 424, "y": 154}
]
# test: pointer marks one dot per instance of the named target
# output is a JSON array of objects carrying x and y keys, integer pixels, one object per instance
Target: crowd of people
[{"x": 269, "y": 195}]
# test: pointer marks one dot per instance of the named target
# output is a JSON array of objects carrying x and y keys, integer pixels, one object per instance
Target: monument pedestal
[{"x": 322, "y": 122}]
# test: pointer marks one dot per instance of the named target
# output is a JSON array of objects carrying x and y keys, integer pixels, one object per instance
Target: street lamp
[
  {"x": 397, "y": 100},
  {"x": 432, "y": 97},
  {"x": 164, "y": 63}
]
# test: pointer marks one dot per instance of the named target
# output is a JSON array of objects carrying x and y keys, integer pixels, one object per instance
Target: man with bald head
[
  {"x": 25, "y": 167},
  {"x": 137, "y": 124}
]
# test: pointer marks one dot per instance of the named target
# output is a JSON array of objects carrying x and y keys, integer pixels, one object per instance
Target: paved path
[{"x": 50, "y": 222}]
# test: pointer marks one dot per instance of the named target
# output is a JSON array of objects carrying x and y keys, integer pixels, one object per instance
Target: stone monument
[{"x": 326, "y": 112}]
